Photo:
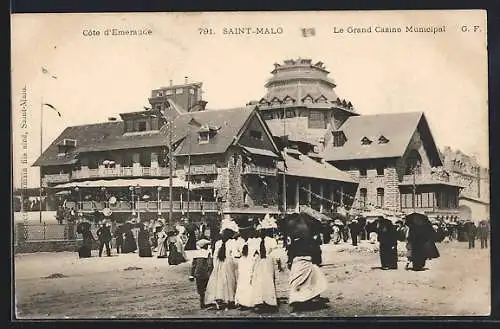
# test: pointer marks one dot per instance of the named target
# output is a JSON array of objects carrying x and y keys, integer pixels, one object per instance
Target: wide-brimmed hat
[
  {"x": 229, "y": 225},
  {"x": 269, "y": 222},
  {"x": 202, "y": 243}
]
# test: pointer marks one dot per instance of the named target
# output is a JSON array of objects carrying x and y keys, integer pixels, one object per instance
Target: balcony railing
[
  {"x": 425, "y": 177},
  {"x": 121, "y": 172},
  {"x": 145, "y": 206},
  {"x": 259, "y": 170},
  {"x": 56, "y": 178},
  {"x": 201, "y": 185},
  {"x": 206, "y": 169}
]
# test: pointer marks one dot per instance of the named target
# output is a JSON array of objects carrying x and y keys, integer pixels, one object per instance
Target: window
[
  {"x": 413, "y": 163},
  {"x": 362, "y": 172},
  {"x": 383, "y": 140},
  {"x": 93, "y": 163},
  {"x": 179, "y": 91},
  {"x": 159, "y": 94},
  {"x": 317, "y": 120},
  {"x": 203, "y": 137},
  {"x": 154, "y": 124},
  {"x": 169, "y": 92},
  {"x": 255, "y": 134},
  {"x": 290, "y": 113},
  {"x": 145, "y": 159},
  {"x": 380, "y": 171},
  {"x": 158, "y": 106},
  {"x": 338, "y": 139},
  {"x": 191, "y": 91},
  {"x": 127, "y": 160},
  {"x": 362, "y": 197},
  {"x": 366, "y": 141},
  {"x": 380, "y": 197},
  {"x": 129, "y": 126},
  {"x": 267, "y": 115},
  {"x": 141, "y": 126}
]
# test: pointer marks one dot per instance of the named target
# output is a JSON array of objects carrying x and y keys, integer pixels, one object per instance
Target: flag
[
  {"x": 308, "y": 32},
  {"x": 54, "y": 108},
  {"x": 45, "y": 71}
]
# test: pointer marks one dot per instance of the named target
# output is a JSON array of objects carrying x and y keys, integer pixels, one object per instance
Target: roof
[
  {"x": 229, "y": 121},
  {"x": 262, "y": 152},
  {"x": 109, "y": 135},
  {"x": 398, "y": 128},
  {"x": 142, "y": 182},
  {"x": 304, "y": 166}
]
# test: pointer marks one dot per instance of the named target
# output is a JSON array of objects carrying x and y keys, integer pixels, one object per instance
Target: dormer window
[
  {"x": 203, "y": 137},
  {"x": 169, "y": 92},
  {"x": 66, "y": 145},
  {"x": 321, "y": 99},
  {"x": 159, "y": 94},
  {"x": 179, "y": 91},
  {"x": 383, "y": 140},
  {"x": 365, "y": 141},
  {"x": 288, "y": 100},
  {"x": 339, "y": 139},
  {"x": 308, "y": 99}
]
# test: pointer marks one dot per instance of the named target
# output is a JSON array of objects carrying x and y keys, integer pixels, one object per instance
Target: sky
[{"x": 442, "y": 74}]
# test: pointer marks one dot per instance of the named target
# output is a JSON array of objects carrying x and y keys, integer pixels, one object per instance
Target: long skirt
[
  {"x": 191, "y": 242},
  {"x": 263, "y": 282},
  {"x": 162, "y": 248},
  {"x": 418, "y": 256},
  {"x": 174, "y": 256},
  {"x": 129, "y": 244},
  {"x": 85, "y": 250},
  {"x": 306, "y": 280},
  {"x": 244, "y": 288},
  {"x": 221, "y": 286},
  {"x": 388, "y": 256}
]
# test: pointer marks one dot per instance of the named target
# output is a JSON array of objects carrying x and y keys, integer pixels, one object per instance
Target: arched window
[
  {"x": 380, "y": 197},
  {"x": 413, "y": 163},
  {"x": 362, "y": 197}
]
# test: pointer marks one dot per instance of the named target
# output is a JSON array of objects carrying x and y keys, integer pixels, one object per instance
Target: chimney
[
  {"x": 111, "y": 119},
  {"x": 171, "y": 83},
  {"x": 185, "y": 80}
]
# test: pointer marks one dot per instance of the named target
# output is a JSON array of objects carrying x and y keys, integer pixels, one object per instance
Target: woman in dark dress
[
  {"x": 88, "y": 239},
  {"x": 144, "y": 243},
  {"x": 129, "y": 244},
  {"x": 175, "y": 256},
  {"x": 388, "y": 239},
  {"x": 421, "y": 239},
  {"x": 191, "y": 234}
]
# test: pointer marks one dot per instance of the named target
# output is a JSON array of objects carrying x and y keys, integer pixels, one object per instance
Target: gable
[
  {"x": 254, "y": 135},
  {"x": 423, "y": 142}
]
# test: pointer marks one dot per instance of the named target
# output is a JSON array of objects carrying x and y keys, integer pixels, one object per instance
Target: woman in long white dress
[
  {"x": 246, "y": 262},
  {"x": 264, "y": 274},
  {"x": 221, "y": 287},
  {"x": 162, "y": 243}
]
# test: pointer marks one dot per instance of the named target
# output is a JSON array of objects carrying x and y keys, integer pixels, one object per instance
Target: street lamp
[
  {"x": 79, "y": 204},
  {"x": 131, "y": 188}
]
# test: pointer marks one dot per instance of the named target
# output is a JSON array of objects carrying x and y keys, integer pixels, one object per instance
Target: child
[
  {"x": 221, "y": 287},
  {"x": 201, "y": 269}
]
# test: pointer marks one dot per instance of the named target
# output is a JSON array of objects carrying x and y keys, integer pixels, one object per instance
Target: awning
[
  {"x": 141, "y": 182},
  {"x": 262, "y": 152},
  {"x": 315, "y": 214},
  {"x": 304, "y": 166}
]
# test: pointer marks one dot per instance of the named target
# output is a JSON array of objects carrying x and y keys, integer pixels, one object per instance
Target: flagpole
[{"x": 41, "y": 151}]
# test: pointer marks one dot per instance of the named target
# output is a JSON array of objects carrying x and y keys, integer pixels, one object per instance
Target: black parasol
[{"x": 83, "y": 227}]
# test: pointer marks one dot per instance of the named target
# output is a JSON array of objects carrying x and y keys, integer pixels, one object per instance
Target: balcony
[
  {"x": 206, "y": 169},
  {"x": 259, "y": 170},
  {"x": 145, "y": 206},
  {"x": 427, "y": 178},
  {"x": 202, "y": 185},
  {"x": 121, "y": 172},
  {"x": 56, "y": 178}
]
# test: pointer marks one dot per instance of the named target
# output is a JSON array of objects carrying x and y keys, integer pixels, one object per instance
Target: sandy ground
[{"x": 458, "y": 283}]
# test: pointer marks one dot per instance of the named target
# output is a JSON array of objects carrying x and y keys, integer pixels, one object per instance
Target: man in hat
[
  {"x": 354, "y": 228},
  {"x": 201, "y": 268},
  {"x": 104, "y": 237}
]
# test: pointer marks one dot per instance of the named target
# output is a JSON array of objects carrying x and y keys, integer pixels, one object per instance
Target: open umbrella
[{"x": 82, "y": 227}]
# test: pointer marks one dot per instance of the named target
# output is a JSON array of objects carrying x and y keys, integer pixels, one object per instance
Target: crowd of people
[{"x": 235, "y": 263}]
